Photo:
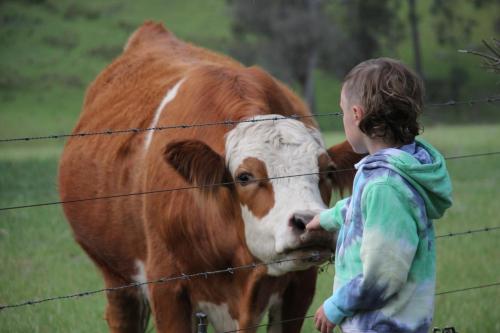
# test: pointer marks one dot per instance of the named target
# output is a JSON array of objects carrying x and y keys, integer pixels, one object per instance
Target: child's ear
[{"x": 359, "y": 112}]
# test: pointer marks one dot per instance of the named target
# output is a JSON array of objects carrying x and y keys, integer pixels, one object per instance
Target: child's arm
[
  {"x": 330, "y": 219},
  {"x": 388, "y": 245}
]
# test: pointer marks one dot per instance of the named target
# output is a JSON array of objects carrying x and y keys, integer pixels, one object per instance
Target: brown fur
[
  {"x": 258, "y": 196},
  {"x": 344, "y": 159},
  {"x": 172, "y": 232}
]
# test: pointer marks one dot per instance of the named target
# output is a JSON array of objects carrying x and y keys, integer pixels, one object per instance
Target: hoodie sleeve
[
  {"x": 388, "y": 245},
  {"x": 333, "y": 218}
]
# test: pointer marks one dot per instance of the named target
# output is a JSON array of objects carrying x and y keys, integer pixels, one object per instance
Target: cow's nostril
[
  {"x": 298, "y": 222},
  {"x": 300, "y": 219}
]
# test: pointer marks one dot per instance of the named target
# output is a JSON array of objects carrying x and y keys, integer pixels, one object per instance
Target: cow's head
[{"x": 281, "y": 180}]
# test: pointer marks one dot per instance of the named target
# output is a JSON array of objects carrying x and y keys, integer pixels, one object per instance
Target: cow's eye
[{"x": 245, "y": 178}]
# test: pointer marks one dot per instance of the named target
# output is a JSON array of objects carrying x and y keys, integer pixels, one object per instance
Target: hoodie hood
[{"x": 423, "y": 167}]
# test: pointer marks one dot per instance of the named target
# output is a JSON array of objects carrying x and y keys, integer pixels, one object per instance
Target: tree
[
  {"x": 454, "y": 27},
  {"x": 291, "y": 38},
  {"x": 285, "y": 36},
  {"x": 415, "y": 36},
  {"x": 453, "y": 23}
]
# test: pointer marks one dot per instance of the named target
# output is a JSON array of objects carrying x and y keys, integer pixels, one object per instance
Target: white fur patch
[
  {"x": 140, "y": 277},
  {"x": 287, "y": 147},
  {"x": 169, "y": 97},
  {"x": 219, "y": 316}
]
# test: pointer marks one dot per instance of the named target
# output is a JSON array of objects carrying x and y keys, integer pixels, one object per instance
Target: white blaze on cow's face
[{"x": 275, "y": 211}]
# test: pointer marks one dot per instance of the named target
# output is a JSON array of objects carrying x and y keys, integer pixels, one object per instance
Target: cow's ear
[
  {"x": 197, "y": 163},
  {"x": 344, "y": 159}
]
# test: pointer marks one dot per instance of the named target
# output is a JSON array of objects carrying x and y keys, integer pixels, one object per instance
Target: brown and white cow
[{"x": 161, "y": 81}]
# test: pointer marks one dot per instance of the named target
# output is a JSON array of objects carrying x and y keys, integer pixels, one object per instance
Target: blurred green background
[{"x": 51, "y": 50}]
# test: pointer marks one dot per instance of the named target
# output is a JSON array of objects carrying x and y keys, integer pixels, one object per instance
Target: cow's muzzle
[{"x": 314, "y": 240}]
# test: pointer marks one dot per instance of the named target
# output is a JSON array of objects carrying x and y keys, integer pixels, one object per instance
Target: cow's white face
[{"x": 275, "y": 211}]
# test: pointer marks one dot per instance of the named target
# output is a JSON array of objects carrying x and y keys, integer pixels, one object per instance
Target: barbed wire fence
[
  {"x": 184, "y": 188},
  {"x": 110, "y": 132},
  {"x": 230, "y": 270}
]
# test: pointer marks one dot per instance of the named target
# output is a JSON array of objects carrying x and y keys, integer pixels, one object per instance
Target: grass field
[
  {"x": 50, "y": 53},
  {"x": 40, "y": 259}
]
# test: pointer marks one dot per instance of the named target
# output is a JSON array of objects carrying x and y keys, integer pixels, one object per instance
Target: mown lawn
[{"x": 40, "y": 259}]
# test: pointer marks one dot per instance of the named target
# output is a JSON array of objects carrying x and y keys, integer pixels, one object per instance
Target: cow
[{"x": 238, "y": 206}]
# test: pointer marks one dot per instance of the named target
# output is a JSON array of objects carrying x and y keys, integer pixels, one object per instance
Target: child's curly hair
[{"x": 392, "y": 97}]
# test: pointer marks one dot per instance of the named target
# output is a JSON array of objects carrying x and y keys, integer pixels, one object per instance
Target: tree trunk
[
  {"x": 308, "y": 89},
  {"x": 415, "y": 37}
]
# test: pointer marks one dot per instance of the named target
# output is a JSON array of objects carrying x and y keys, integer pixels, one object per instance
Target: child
[{"x": 385, "y": 256}]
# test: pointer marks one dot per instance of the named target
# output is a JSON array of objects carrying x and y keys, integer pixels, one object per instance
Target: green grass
[
  {"x": 39, "y": 257},
  {"x": 46, "y": 61}
]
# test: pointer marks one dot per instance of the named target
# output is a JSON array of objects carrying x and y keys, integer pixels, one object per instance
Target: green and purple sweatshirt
[{"x": 385, "y": 256}]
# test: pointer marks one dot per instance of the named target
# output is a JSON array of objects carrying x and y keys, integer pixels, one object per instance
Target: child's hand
[
  {"x": 314, "y": 224},
  {"x": 322, "y": 323}
]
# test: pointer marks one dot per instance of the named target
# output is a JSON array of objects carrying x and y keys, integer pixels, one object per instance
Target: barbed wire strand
[
  {"x": 467, "y": 289},
  {"x": 472, "y": 155},
  {"x": 271, "y": 324},
  {"x": 231, "y": 270},
  {"x": 491, "y": 99},
  {"x": 205, "y": 275},
  {"x": 168, "y": 190},
  {"x": 114, "y": 196},
  {"x": 312, "y": 316},
  {"x": 468, "y": 232},
  {"x": 168, "y": 127}
]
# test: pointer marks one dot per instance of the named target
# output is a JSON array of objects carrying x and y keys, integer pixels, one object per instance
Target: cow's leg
[
  {"x": 275, "y": 314},
  {"x": 127, "y": 310},
  {"x": 296, "y": 301},
  {"x": 171, "y": 308}
]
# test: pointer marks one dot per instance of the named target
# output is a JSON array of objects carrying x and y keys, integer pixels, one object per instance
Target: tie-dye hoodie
[{"x": 385, "y": 256}]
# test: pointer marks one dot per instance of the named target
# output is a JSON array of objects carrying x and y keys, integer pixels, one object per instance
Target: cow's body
[{"x": 161, "y": 81}]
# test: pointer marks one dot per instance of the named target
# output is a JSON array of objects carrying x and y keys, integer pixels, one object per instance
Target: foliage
[{"x": 453, "y": 26}]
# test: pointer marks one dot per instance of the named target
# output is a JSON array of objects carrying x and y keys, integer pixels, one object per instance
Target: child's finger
[
  {"x": 324, "y": 327},
  {"x": 317, "y": 324},
  {"x": 314, "y": 224}
]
